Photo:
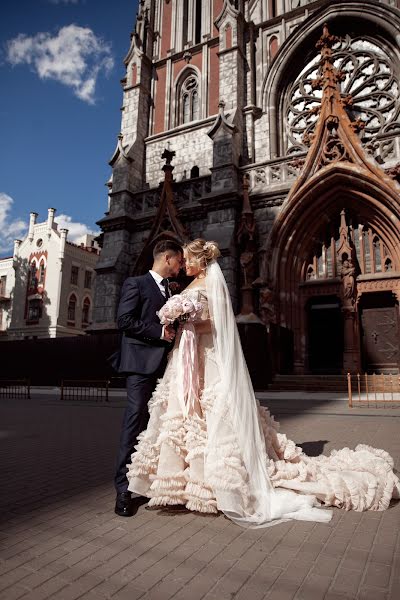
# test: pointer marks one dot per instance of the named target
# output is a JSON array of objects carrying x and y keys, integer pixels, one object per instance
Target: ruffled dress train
[{"x": 168, "y": 465}]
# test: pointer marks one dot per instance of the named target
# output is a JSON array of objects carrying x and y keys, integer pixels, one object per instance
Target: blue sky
[{"x": 61, "y": 62}]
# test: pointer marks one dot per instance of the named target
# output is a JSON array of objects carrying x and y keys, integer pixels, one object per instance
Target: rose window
[{"x": 368, "y": 79}]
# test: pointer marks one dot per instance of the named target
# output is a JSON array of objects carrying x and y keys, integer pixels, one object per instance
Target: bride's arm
[
  {"x": 202, "y": 326},
  {"x": 203, "y": 323}
]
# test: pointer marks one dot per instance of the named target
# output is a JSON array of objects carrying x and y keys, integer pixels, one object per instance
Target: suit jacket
[{"x": 142, "y": 350}]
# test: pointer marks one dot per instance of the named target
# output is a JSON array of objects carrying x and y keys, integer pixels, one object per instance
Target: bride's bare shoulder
[
  {"x": 196, "y": 285},
  {"x": 199, "y": 292}
]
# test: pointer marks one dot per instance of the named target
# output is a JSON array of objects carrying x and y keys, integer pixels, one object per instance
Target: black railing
[
  {"x": 74, "y": 389},
  {"x": 15, "y": 388}
]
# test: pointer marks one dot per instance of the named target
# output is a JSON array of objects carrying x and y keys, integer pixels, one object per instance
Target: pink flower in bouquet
[{"x": 178, "y": 307}]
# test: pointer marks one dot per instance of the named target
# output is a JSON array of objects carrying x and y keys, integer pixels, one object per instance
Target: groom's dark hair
[{"x": 166, "y": 246}]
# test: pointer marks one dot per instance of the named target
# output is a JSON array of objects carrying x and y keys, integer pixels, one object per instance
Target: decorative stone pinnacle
[
  {"x": 168, "y": 155},
  {"x": 221, "y": 106},
  {"x": 246, "y": 208},
  {"x": 187, "y": 56},
  {"x": 326, "y": 40}
]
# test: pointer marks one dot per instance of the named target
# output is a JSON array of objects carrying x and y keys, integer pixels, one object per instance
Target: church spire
[{"x": 166, "y": 223}]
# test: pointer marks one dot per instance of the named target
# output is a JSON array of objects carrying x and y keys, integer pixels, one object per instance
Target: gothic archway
[
  {"x": 306, "y": 253},
  {"x": 314, "y": 249}
]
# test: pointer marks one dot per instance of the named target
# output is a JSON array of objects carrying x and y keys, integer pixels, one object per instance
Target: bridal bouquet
[{"x": 179, "y": 308}]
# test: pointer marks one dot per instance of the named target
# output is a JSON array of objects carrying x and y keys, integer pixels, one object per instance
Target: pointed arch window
[
  {"x": 194, "y": 172},
  {"x": 33, "y": 279},
  {"x": 42, "y": 272},
  {"x": 85, "y": 312},
  {"x": 371, "y": 256},
  {"x": 189, "y": 105}
]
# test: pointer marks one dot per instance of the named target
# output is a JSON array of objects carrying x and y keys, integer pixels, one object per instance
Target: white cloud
[
  {"x": 73, "y": 57},
  {"x": 9, "y": 229},
  {"x": 75, "y": 229}
]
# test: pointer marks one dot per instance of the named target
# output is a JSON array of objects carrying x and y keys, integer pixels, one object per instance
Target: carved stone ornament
[
  {"x": 394, "y": 172},
  {"x": 368, "y": 85}
]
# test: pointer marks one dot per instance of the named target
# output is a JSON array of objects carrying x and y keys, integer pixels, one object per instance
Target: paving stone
[
  {"x": 71, "y": 545},
  {"x": 314, "y": 587},
  {"x": 347, "y": 581},
  {"x": 377, "y": 575},
  {"x": 372, "y": 593}
]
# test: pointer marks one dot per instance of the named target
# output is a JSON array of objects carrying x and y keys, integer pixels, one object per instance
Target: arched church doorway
[
  {"x": 325, "y": 335},
  {"x": 379, "y": 331}
]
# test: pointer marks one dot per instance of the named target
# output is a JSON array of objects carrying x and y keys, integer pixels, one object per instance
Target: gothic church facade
[{"x": 272, "y": 127}]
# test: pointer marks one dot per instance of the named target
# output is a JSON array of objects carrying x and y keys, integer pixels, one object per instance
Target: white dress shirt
[{"x": 158, "y": 279}]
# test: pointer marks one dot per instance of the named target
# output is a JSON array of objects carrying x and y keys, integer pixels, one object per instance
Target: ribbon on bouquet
[{"x": 188, "y": 365}]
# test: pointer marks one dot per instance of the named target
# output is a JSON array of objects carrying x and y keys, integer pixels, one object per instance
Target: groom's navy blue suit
[{"x": 143, "y": 358}]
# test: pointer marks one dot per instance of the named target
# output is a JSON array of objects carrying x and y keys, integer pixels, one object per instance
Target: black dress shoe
[{"x": 124, "y": 505}]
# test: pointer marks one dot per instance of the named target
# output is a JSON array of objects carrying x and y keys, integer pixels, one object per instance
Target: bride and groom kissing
[{"x": 193, "y": 434}]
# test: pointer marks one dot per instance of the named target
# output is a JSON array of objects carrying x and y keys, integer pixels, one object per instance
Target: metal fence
[
  {"x": 96, "y": 390},
  {"x": 15, "y": 388},
  {"x": 373, "y": 390}
]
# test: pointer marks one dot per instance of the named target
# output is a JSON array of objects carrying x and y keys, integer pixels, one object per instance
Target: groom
[{"x": 144, "y": 348}]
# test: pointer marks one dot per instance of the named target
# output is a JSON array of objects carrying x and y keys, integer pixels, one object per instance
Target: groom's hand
[{"x": 168, "y": 333}]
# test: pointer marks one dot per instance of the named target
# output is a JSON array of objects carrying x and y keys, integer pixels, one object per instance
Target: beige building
[{"x": 46, "y": 286}]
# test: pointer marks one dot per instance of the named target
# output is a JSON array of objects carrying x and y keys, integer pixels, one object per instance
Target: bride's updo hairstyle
[{"x": 201, "y": 253}]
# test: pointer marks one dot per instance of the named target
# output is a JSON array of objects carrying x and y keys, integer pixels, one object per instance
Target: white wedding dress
[{"x": 209, "y": 445}]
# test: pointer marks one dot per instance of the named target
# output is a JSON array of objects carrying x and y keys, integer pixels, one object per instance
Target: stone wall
[{"x": 192, "y": 147}]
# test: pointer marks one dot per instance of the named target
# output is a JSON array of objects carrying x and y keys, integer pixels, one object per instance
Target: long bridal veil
[{"x": 248, "y": 498}]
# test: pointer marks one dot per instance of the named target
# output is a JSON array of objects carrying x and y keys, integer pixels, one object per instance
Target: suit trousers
[{"x": 139, "y": 391}]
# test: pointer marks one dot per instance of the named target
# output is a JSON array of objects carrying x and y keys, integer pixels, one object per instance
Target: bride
[{"x": 211, "y": 447}]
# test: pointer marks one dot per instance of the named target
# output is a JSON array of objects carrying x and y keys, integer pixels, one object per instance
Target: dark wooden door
[
  {"x": 380, "y": 338},
  {"x": 325, "y": 338}
]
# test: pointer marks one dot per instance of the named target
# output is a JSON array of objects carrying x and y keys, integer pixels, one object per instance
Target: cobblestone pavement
[{"x": 59, "y": 537}]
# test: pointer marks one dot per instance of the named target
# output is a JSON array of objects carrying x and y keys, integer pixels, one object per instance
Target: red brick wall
[
  {"x": 166, "y": 28},
  {"x": 217, "y": 7},
  {"x": 179, "y": 65},
  {"x": 214, "y": 81},
  {"x": 159, "y": 112},
  {"x": 273, "y": 47}
]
